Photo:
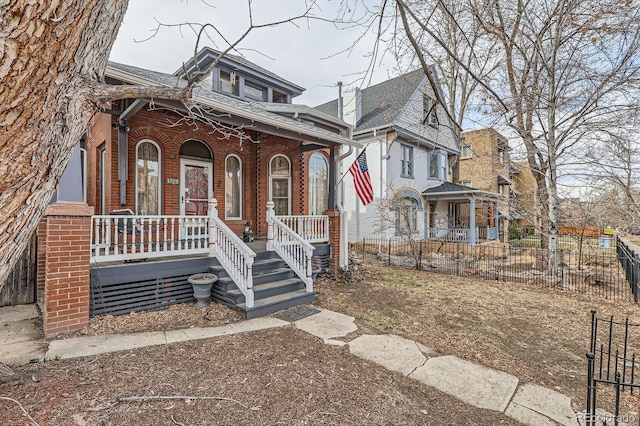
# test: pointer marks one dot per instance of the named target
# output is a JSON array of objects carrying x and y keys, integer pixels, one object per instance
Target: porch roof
[
  {"x": 253, "y": 112},
  {"x": 453, "y": 191}
]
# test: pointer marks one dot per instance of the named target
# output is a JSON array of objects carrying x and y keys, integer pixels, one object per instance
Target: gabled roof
[
  {"x": 382, "y": 102},
  {"x": 253, "y": 112}
]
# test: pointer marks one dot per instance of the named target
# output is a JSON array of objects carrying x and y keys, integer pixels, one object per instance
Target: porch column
[
  {"x": 472, "y": 222},
  {"x": 331, "y": 196},
  {"x": 497, "y": 222},
  {"x": 334, "y": 238},
  {"x": 63, "y": 266}
]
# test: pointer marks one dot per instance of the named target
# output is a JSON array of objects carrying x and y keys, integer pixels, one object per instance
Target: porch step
[
  {"x": 263, "y": 290},
  {"x": 276, "y": 303},
  {"x": 275, "y": 287},
  {"x": 226, "y": 283}
]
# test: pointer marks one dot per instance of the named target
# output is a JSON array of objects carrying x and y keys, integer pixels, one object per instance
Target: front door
[{"x": 196, "y": 187}]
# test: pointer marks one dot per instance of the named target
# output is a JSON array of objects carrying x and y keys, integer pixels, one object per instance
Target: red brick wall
[
  {"x": 334, "y": 238},
  {"x": 255, "y": 159},
  {"x": 63, "y": 266}
]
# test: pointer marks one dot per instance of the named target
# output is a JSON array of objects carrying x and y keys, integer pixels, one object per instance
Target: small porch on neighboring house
[{"x": 457, "y": 213}]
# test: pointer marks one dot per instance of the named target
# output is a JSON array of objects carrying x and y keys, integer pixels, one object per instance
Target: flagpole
[{"x": 347, "y": 172}]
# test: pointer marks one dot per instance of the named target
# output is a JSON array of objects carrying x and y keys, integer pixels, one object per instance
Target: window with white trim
[
  {"x": 147, "y": 178},
  {"x": 280, "y": 184},
  {"x": 429, "y": 116},
  {"x": 407, "y": 161},
  {"x": 318, "y": 184},
  {"x": 406, "y": 206},
  {"x": 466, "y": 152},
  {"x": 233, "y": 187}
]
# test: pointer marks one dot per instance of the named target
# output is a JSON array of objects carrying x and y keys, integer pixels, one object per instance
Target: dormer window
[
  {"x": 253, "y": 91},
  {"x": 228, "y": 82},
  {"x": 279, "y": 98}
]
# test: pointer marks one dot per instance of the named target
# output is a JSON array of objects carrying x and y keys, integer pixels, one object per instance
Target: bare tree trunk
[{"x": 52, "y": 58}]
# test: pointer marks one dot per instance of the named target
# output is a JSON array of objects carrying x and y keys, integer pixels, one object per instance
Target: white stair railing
[
  {"x": 313, "y": 229},
  {"x": 291, "y": 247},
  {"x": 233, "y": 254}
]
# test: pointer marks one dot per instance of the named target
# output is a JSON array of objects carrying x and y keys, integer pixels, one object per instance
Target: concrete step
[{"x": 227, "y": 284}]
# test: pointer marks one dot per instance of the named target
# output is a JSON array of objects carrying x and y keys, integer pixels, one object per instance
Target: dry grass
[{"x": 539, "y": 335}]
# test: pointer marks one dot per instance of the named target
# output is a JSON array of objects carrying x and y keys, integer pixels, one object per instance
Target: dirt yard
[
  {"x": 539, "y": 335},
  {"x": 286, "y": 376}
]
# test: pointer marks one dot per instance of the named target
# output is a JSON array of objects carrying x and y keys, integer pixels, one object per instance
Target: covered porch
[{"x": 457, "y": 213}]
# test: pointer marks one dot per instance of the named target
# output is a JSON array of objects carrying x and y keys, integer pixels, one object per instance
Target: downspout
[
  {"x": 343, "y": 261},
  {"x": 344, "y": 234}
]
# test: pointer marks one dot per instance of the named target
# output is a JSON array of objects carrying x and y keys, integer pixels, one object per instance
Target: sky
[{"x": 307, "y": 53}]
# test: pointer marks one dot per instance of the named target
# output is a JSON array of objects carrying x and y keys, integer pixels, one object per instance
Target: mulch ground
[{"x": 278, "y": 376}]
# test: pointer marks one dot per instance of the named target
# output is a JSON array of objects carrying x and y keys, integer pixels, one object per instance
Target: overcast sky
[{"x": 306, "y": 54}]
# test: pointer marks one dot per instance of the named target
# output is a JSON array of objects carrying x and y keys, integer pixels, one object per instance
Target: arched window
[
  {"x": 280, "y": 184},
  {"x": 318, "y": 184},
  {"x": 148, "y": 178},
  {"x": 406, "y": 203},
  {"x": 233, "y": 187}
]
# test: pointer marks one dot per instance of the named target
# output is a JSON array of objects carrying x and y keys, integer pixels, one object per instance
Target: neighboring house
[
  {"x": 525, "y": 205},
  {"x": 485, "y": 164},
  {"x": 159, "y": 166},
  {"x": 411, "y": 147}
]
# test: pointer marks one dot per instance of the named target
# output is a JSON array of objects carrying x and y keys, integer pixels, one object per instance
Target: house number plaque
[{"x": 172, "y": 181}]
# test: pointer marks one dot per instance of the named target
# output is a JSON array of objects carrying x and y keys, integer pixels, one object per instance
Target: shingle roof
[
  {"x": 454, "y": 188},
  {"x": 382, "y": 102},
  {"x": 229, "y": 104},
  {"x": 242, "y": 61}
]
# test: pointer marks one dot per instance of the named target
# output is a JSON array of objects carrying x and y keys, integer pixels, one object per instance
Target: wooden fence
[{"x": 20, "y": 286}]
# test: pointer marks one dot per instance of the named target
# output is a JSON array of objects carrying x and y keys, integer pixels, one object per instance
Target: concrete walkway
[
  {"x": 471, "y": 383},
  {"x": 21, "y": 337}
]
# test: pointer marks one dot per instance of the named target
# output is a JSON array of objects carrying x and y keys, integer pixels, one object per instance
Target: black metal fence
[
  {"x": 588, "y": 269},
  {"x": 612, "y": 374},
  {"x": 630, "y": 262}
]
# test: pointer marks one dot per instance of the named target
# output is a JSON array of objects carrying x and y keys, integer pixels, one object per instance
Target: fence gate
[
  {"x": 20, "y": 286},
  {"x": 613, "y": 385}
]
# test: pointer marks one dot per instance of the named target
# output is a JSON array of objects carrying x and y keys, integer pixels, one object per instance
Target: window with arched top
[
  {"x": 233, "y": 187},
  {"x": 318, "y": 184},
  {"x": 406, "y": 203},
  {"x": 280, "y": 184},
  {"x": 147, "y": 176}
]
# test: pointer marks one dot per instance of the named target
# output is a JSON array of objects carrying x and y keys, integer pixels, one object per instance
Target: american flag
[{"x": 361, "y": 179}]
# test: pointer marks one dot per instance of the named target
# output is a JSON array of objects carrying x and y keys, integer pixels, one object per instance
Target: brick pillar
[
  {"x": 64, "y": 237},
  {"x": 334, "y": 238}
]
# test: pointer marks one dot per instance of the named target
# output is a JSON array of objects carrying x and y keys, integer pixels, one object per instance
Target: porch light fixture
[{"x": 247, "y": 234}]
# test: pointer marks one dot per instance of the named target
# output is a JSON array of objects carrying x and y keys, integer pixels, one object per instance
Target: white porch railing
[
  {"x": 233, "y": 254},
  {"x": 314, "y": 229},
  {"x": 130, "y": 237},
  {"x": 454, "y": 235},
  {"x": 291, "y": 247}
]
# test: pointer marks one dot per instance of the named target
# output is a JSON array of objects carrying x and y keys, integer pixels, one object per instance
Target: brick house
[
  {"x": 138, "y": 196},
  {"x": 485, "y": 163},
  {"x": 411, "y": 149}
]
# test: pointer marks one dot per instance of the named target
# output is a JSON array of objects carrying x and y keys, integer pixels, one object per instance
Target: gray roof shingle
[
  {"x": 244, "y": 108},
  {"x": 382, "y": 102}
]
